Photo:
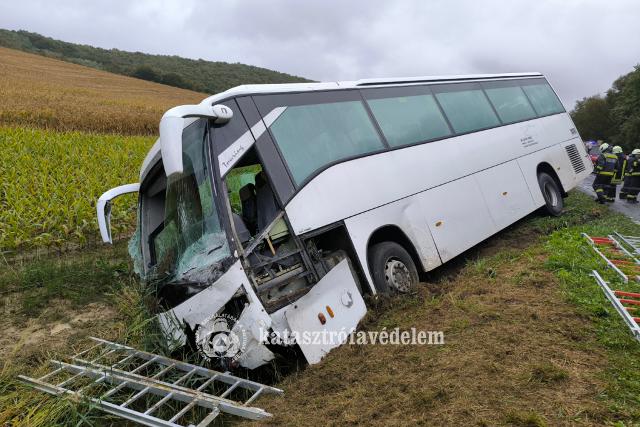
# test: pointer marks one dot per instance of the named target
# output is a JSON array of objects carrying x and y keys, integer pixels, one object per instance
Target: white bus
[{"x": 281, "y": 205}]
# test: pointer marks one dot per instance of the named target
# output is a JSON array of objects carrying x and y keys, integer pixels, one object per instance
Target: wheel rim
[
  {"x": 550, "y": 194},
  {"x": 397, "y": 275}
]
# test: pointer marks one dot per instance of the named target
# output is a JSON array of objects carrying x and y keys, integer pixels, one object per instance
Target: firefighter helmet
[
  {"x": 604, "y": 147},
  {"x": 636, "y": 151},
  {"x": 617, "y": 149}
]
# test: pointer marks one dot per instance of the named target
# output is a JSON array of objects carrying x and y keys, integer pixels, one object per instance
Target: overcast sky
[{"x": 581, "y": 45}]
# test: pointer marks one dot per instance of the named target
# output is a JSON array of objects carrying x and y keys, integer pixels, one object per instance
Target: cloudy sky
[{"x": 581, "y": 45}]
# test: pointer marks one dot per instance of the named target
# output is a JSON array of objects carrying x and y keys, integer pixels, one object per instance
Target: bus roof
[
  {"x": 154, "y": 153},
  {"x": 309, "y": 87}
]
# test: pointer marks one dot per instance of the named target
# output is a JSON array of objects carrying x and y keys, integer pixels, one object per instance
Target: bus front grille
[{"x": 576, "y": 159}]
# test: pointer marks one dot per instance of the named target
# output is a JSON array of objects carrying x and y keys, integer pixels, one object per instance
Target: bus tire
[
  {"x": 552, "y": 194},
  {"x": 392, "y": 268}
]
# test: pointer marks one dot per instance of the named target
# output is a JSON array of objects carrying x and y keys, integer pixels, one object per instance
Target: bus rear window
[{"x": 542, "y": 97}]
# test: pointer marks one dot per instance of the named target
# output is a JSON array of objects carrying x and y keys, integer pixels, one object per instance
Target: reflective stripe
[{"x": 605, "y": 173}]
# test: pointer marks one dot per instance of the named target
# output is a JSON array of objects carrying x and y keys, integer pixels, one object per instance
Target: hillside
[
  {"x": 199, "y": 75},
  {"x": 52, "y": 94}
]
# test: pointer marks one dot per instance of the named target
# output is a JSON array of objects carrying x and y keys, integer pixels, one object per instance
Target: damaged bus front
[{"x": 215, "y": 245}]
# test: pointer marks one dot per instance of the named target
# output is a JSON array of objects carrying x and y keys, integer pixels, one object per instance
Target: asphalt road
[{"x": 632, "y": 211}]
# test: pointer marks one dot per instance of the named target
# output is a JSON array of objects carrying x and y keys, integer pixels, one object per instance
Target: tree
[
  {"x": 625, "y": 96},
  {"x": 175, "y": 79},
  {"x": 592, "y": 117},
  {"x": 146, "y": 72}
]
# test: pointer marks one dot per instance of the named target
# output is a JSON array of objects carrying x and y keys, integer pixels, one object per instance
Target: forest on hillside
[
  {"x": 614, "y": 117},
  {"x": 198, "y": 75}
]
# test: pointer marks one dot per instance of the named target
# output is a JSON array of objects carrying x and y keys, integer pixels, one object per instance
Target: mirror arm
[
  {"x": 172, "y": 124},
  {"x": 103, "y": 208}
]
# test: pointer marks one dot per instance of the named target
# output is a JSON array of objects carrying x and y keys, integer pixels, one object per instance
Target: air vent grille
[{"x": 576, "y": 159}]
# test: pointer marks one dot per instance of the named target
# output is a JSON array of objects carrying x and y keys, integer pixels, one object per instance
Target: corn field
[
  {"x": 51, "y": 94},
  {"x": 50, "y": 182},
  {"x": 67, "y": 134}
]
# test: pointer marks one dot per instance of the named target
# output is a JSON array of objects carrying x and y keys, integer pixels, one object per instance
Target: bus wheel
[
  {"x": 392, "y": 268},
  {"x": 551, "y": 193}
]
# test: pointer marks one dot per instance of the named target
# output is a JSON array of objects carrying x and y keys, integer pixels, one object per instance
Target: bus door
[{"x": 274, "y": 257}]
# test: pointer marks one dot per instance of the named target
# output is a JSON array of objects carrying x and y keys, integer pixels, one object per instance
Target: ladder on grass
[
  {"x": 150, "y": 389},
  {"x": 625, "y": 304},
  {"x": 616, "y": 255},
  {"x": 632, "y": 241}
]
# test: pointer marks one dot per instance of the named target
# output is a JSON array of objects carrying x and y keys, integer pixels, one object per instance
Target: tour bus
[{"x": 281, "y": 205}]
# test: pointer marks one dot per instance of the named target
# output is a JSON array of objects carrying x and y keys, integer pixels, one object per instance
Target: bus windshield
[{"x": 190, "y": 243}]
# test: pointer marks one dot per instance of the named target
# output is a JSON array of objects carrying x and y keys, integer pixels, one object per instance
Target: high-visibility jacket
[
  {"x": 607, "y": 164},
  {"x": 633, "y": 166},
  {"x": 620, "y": 169}
]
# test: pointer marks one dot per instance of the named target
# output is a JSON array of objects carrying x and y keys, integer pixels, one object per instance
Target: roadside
[{"x": 632, "y": 211}]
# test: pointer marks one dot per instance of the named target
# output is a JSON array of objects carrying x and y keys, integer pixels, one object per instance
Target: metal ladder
[
  {"x": 150, "y": 389},
  {"x": 630, "y": 302},
  {"x": 632, "y": 241},
  {"x": 620, "y": 257}
]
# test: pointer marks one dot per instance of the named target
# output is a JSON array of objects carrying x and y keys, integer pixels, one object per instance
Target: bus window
[
  {"x": 466, "y": 107},
  {"x": 312, "y": 136},
  {"x": 509, "y": 100},
  {"x": 407, "y": 119},
  {"x": 542, "y": 97}
]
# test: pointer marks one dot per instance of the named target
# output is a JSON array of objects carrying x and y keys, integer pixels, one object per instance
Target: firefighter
[
  {"x": 605, "y": 170},
  {"x": 631, "y": 185},
  {"x": 618, "y": 177}
]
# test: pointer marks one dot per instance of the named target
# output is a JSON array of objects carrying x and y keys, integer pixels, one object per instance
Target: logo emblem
[
  {"x": 221, "y": 337},
  {"x": 347, "y": 299}
]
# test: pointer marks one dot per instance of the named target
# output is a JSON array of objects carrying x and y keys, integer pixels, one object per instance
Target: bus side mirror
[
  {"x": 172, "y": 124},
  {"x": 103, "y": 208}
]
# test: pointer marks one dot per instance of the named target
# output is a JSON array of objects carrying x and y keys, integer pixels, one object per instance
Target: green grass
[
  {"x": 572, "y": 260},
  {"x": 78, "y": 278}
]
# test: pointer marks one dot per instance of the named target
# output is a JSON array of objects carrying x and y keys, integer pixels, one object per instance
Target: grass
[
  {"x": 571, "y": 260},
  {"x": 530, "y": 339},
  {"x": 78, "y": 295},
  {"x": 51, "y": 181},
  {"x": 79, "y": 279},
  {"x": 47, "y": 93}
]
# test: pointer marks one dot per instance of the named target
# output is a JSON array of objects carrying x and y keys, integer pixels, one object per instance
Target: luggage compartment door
[
  {"x": 506, "y": 193},
  {"x": 457, "y": 216},
  {"x": 327, "y": 313}
]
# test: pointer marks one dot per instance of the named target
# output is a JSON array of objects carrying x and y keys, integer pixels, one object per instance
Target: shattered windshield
[{"x": 190, "y": 242}]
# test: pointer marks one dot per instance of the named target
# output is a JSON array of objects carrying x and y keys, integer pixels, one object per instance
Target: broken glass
[{"x": 191, "y": 244}]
